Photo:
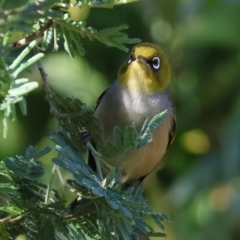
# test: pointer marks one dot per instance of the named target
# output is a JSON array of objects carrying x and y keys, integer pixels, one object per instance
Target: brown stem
[
  {"x": 43, "y": 75},
  {"x": 11, "y": 219},
  {"x": 33, "y": 36}
]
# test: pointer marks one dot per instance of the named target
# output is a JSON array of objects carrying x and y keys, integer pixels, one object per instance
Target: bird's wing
[
  {"x": 172, "y": 131},
  {"x": 100, "y": 98},
  {"x": 91, "y": 160}
]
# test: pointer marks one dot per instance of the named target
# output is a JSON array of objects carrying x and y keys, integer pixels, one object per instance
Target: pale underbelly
[{"x": 140, "y": 162}]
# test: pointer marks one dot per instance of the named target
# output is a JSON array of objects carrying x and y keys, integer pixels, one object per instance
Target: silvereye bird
[{"x": 141, "y": 91}]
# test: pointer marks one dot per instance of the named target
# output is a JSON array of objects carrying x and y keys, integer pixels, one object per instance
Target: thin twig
[
  {"x": 53, "y": 110},
  {"x": 59, "y": 116},
  {"x": 50, "y": 183},
  {"x": 43, "y": 75},
  {"x": 61, "y": 180},
  {"x": 10, "y": 219},
  {"x": 34, "y": 36},
  {"x": 97, "y": 156},
  {"x": 46, "y": 87}
]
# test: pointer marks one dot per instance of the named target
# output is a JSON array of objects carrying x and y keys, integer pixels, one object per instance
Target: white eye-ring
[{"x": 156, "y": 63}]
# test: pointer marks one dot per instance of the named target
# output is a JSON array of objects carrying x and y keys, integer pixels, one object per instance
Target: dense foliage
[
  {"x": 198, "y": 184},
  {"x": 102, "y": 209}
]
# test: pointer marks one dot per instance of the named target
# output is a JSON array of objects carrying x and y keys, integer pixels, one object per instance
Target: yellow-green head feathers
[{"x": 146, "y": 70}]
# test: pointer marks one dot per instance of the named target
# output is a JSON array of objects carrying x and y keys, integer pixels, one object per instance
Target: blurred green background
[{"x": 198, "y": 182}]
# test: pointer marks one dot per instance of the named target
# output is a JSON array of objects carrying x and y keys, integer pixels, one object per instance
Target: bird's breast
[{"x": 121, "y": 107}]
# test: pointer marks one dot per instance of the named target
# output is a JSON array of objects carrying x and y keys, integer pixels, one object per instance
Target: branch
[
  {"x": 43, "y": 75},
  {"x": 34, "y": 36},
  {"x": 11, "y": 219}
]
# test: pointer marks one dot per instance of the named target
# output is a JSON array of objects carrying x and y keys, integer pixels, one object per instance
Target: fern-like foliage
[
  {"x": 119, "y": 213},
  {"x": 25, "y": 197},
  {"x": 103, "y": 210},
  {"x": 22, "y": 15},
  {"x": 18, "y": 87},
  {"x": 71, "y": 31},
  {"x": 48, "y": 19},
  {"x": 76, "y": 118},
  {"x": 48, "y": 22},
  {"x": 129, "y": 139}
]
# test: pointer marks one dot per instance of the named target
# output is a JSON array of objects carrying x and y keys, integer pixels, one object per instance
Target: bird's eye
[
  {"x": 131, "y": 58},
  {"x": 156, "y": 63}
]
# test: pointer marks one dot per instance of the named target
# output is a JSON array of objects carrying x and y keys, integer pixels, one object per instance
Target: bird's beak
[{"x": 142, "y": 59}]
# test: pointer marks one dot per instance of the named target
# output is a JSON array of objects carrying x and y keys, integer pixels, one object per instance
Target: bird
[{"x": 141, "y": 91}]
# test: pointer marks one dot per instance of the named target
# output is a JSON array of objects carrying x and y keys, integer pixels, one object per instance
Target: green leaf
[
  {"x": 43, "y": 152},
  {"x": 22, "y": 55},
  {"x": 158, "y": 219},
  {"x": 23, "y": 106},
  {"x": 146, "y": 133},
  {"x": 116, "y": 210},
  {"x": 68, "y": 44},
  {"x": 17, "y": 87},
  {"x": 6, "y": 76},
  {"x": 76, "y": 39},
  {"x": 77, "y": 234},
  {"x": 166, "y": 216},
  {"x": 30, "y": 152},
  {"x": 112, "y": 37},
  {"x": 11, "y": 209},
  {"x": 7, "y": 187},
  {"x": 130, "y": 135},
  {"x": 80, "y": 117},
  {"x": 113, "y": 178},
  {"x": 27, "y": 166},
  {"x": 112, "y": 30},
  {"x": 23, "y": 89},
  {"x": 26, "y": 64},
  {"x": 130, "y": 139},
  {"x": 118, "y": 136},
  {"x": 109, "y": 150},
  {"x": 47, "y": 38}
]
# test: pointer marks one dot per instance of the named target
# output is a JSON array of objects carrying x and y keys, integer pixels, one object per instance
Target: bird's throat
[{"x": 140, "y": 82}]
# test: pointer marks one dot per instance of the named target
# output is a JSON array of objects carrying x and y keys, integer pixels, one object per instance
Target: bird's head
[{"x": 146, "y": 70}]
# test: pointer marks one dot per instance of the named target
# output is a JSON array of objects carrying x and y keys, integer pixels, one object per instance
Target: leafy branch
[
  {"x": 47, "y": 23},
  {"x": 112, "y": 37},
  {"x": 120, "y": 213},
  {"x": 48, "y": 19},
  {"x": 103, "y": 210},
  {"x": 18, "y": 87}
]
